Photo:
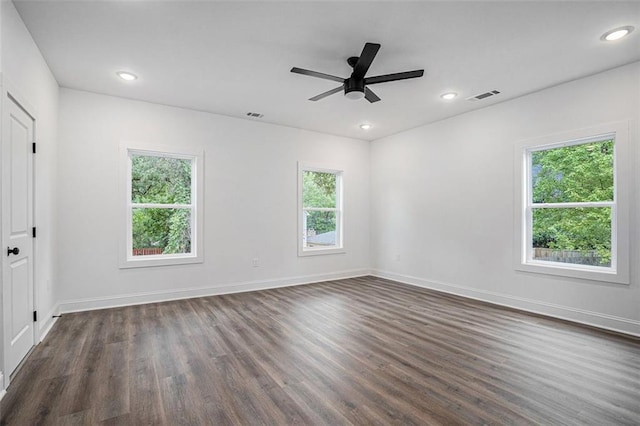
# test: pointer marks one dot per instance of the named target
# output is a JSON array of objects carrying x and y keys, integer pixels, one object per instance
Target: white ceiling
[{"x": 234, "y": 57}]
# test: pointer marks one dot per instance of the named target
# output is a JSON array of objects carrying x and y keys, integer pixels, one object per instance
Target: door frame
[{"x": 10, "y": 93}]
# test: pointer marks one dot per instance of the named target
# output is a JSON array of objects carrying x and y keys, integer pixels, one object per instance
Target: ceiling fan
[{"x": 355, "y": 87}]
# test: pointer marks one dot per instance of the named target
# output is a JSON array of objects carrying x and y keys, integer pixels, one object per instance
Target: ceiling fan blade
[
  {"x": 327, "y": 93},
  {"x": 393, "y": 77},
  {"x": 369, "y": 52},
  {"x": 370, "y": 96},
  {"x": 317, "y": 74}
]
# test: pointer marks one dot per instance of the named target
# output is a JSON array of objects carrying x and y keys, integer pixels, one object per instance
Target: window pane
[
  {"x": 573, "y": 173},
  {"x": 319, "y": 229},
  {"x": 573, "y": 235},
  {"x": 319, "y": 189},
  {"x": 161, "y": 231},
  {"x": 160, "y": 180}
]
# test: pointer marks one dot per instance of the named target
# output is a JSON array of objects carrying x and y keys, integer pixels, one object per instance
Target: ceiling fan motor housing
[{"x": 354, "y": 88}]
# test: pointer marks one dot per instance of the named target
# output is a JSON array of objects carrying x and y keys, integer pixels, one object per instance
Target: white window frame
[
  {"x": 618, "y": 272},
  {"x": 339, "y": 209},
  {"x": 127, "y": 260}
]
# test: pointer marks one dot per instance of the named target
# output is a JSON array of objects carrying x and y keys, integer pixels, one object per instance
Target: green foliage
[
  {"x": 578, "y": 173},
  {"x": 161, "y": 180},
  {"x": 149, "y": 227},
  {"x": 179, "y": 240},
  {"x": 319, "y": 190},
  {"x": 580, "y": 229},
  {"x": 321, "y": 222}
]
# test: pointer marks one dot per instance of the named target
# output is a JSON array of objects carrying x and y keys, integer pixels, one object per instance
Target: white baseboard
[
  {"x": 604, "y": 321},
  {"x": 595, "y": 319},
  {"x": 3, "y": 391},
  {"x": 46, "y": 323},
  {"x": 89, "y": 304}
]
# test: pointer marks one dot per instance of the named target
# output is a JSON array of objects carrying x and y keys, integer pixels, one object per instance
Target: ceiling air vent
[
  {"x": 255, "y": 115},
  {"x": 482, "y": 96}
]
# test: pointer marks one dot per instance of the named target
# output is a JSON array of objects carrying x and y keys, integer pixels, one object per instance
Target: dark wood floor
[{"x": 357, "y": 351}]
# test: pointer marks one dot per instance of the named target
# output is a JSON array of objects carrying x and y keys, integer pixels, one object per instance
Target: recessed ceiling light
[
  {"x": 616, "y": 34},
  {"x": 127, "y": 76},
  {"x": 448, "y": 96},
  {"x": 365, "y": 126}
]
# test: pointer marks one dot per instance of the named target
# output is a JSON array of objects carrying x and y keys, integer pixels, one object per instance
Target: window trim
[
  {"x": 126, "y": 259},
  {"x": 339, "y": 209},
  {"x": 619, "y": 270}
]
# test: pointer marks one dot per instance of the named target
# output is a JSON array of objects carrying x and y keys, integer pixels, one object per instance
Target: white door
[{"x": 17, "y": 219}]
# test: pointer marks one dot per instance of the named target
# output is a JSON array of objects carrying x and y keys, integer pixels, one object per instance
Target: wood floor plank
[{"x": 357, "y": 351}]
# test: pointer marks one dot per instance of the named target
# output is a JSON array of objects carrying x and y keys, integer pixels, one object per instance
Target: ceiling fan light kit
[
  {"x": 355, "y": 86},
  {"x": 354, "y": 89}
]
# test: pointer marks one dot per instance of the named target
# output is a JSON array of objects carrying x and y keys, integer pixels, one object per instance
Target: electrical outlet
[{"x": 255, "y": 262}]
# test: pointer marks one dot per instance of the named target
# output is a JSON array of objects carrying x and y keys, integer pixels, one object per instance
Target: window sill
[
  {"x": 151, "y": 261},
  {"x": 592, "y": 273},
  {"x": 320, "y": 251}
]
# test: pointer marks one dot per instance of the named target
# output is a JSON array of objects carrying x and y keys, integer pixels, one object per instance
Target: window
[
  {"x": 320, "y": 210},
  {"x": 162, "y": 209},
  {"x": 572, "y": 219}
]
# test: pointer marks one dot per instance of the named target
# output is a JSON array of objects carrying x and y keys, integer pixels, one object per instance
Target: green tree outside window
[
  {"x": 161, "y": 200},
  {"x": 574, "y": 174}
]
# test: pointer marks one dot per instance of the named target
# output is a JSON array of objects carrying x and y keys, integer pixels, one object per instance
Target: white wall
[
  {"x": 250, "y": 202},
  {"x": 24, "y": 68},
  {"x": 443, "y": 201}
]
